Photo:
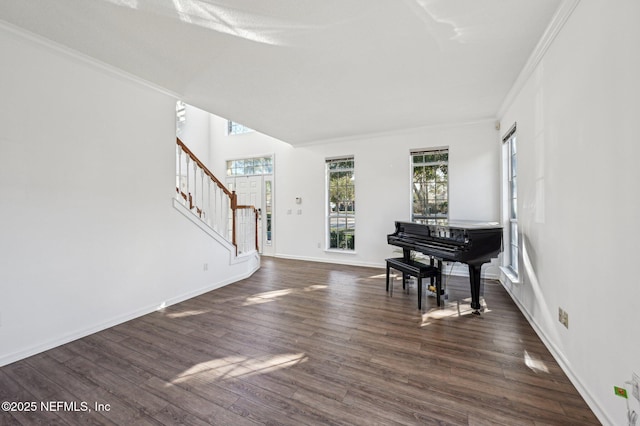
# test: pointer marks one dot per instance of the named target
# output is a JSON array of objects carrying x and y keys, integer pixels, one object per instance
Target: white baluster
[
  {"x": 216, "y": 194},
  {"x": 208, "y": 216},
  {"x": 195, "y": 184},
  {"x": 188, "y": 179},
  {"x": 240, "y": 230},
  {"x": 201, "y": 193},
  {"x": 178, "y": 170},
  {"x": 228, "y": 219},
  {"x": 218, "y": 208}
]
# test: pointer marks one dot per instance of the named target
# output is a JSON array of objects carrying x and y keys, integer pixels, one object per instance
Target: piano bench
[{"x": 418, "y": 270}]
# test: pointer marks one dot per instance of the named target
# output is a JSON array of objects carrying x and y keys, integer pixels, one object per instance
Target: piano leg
[
  {"x": 406, "y": 254},
  {"x": 438, "y": 281},
  {"x": 388, "y": 279},
  {"x": 432, "y": 279},
  {"x": 474, "y": 279}
]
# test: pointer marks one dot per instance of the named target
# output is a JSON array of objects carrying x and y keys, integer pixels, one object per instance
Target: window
[
  {"x": 268, "y": 206},
  {"x": 181, "y": 117},
  {"x": 511, "y": 187},
  {"x": 250, "y": 166},
  {"x": 237, "y": 128},
  {"x": 341, "y": 204},
  {"x": 430, "y": 186}
]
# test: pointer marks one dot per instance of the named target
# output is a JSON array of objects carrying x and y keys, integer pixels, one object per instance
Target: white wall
[
  {"x": 382, "y": 184},
  {"x": 579, "y": 201},
  {"x": 196, "y": 131},
  {"x": 88, "y": 234}
]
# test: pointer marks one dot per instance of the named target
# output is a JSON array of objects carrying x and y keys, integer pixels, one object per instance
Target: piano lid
[
  {"x": 471, "y": 224},
  {"x": 463, "y": 224}
]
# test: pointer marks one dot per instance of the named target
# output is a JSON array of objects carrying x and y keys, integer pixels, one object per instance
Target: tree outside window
[
  {"x": 341, "y": 204},
  {"x": 430, "y": 186}
]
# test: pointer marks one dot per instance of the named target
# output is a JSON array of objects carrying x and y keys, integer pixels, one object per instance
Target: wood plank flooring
[{"x": 304, "y": 343}]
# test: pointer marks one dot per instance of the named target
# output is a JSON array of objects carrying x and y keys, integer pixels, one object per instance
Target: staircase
[{"x": 214, "y": 206}]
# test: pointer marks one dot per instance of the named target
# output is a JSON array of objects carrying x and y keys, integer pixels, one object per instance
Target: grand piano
[{"x": 473, "y": 243}]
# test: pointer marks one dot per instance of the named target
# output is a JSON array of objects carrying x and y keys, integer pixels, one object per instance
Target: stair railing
[
  {"x": 246, "y": 226},
  {"x": 205, "y": 196}
]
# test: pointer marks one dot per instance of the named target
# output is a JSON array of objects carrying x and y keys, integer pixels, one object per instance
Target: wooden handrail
[
  {"x": 233, "y": 197},
  {"x": 203, "y": 167}
]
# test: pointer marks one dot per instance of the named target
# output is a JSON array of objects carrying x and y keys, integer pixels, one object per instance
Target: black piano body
[{"x": 473, "y": 243}]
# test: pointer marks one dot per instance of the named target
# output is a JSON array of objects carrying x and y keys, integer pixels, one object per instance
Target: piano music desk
[{"x": 418, "y": 270}]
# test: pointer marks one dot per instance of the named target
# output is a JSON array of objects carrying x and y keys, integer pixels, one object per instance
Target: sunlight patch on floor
[
  {"x": 534, "y": 362},
  {"x": 379, "y": 276},
  {"x": 173, "y": 313},
  {"x": 189, "y": 313},
  {"x": 268, "y": 296},
  {"x": 452, "y": 309},
  {"x": 234, "y": 366}
]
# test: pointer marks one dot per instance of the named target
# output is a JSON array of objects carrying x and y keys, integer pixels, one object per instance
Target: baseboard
[
  {"x": 459, "y": 269},
  {"x": 325, "y": 260},
  {"x": 61, "y": 340},
  {"x": 562, "y": 361}
]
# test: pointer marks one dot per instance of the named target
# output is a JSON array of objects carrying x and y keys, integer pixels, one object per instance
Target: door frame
[{"x": 266, "y": 245}]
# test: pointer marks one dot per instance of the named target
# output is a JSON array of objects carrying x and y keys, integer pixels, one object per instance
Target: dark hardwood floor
[{"x": 304, "y": 343}]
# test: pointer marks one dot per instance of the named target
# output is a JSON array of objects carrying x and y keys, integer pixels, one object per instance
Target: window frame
[
  {"x": 512, "y": 254},
  {"x": 181, "y": 116},
  {"x": 252, "y": 166},
  {"x": 234, "y": 128},
  {"x": 341, "y": 213},
  {"x": 435, "y": 218}
]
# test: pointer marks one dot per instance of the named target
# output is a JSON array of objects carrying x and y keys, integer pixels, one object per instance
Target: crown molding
[
  {"x": 82, "y": 57},
  {"x": 558, "y": 21},
  {"x": 394, "y": 132}
]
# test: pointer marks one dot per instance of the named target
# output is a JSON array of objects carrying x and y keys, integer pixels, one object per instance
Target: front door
[{"x": 250, "y": 191}]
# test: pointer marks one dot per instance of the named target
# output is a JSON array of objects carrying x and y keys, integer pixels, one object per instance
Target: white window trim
[
  {"x": 327, "y": 244},
  {"x": 413, "y": 152},
  {"x": 514, "y": 275}
]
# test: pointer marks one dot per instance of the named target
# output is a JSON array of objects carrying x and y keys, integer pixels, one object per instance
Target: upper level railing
[{"x": 202, "y": 193}]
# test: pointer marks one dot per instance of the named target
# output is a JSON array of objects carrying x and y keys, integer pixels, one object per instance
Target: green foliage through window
[
  {"x": 341, "y": 203},
  {"x": 250, "y": 166},
  {"x": 430, "y": 186}
]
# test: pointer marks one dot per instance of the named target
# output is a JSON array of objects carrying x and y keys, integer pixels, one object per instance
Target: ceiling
[{"x": 306, "y": 71}]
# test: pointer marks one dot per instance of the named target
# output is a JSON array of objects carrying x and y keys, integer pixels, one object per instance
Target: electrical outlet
[
  {"x": 635, "y": 386},
  {"x": 206, "y": 267},
  {"x": 563, "y": 317}
]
